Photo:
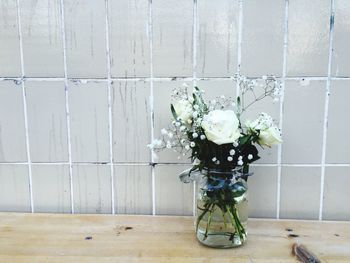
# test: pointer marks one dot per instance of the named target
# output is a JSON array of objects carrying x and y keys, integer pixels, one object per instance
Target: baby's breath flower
[
  {"x": 214, "y": 159},
  {"x": 193, "y": 144},
  {"x": 240, "y": 157},
  {"x": 194, "y": 135},
  {"x": 240, "y": 162},
  {"x": 232, "y": 152},
  {"x": 250, "y": 156},
  {"x": 187, "y": 147},
  {"x": 202, "y": 137},
  {"x": 230, "y": 159}
]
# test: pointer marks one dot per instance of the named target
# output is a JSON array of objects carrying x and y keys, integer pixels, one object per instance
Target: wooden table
[{"x": 105, "y": 238}]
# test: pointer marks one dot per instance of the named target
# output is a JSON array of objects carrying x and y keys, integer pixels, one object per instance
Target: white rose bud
[{"x": 183, "y": 109}]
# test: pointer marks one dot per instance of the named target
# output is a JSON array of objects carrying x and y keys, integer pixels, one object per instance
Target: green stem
[
  {"x": 209, "y": 221},
  {"x": 200, "y": 217},
  {"x": 238, "y": 220}
]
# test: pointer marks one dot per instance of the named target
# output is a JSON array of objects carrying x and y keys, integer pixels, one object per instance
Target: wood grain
[{"x": 62, "y": 238}]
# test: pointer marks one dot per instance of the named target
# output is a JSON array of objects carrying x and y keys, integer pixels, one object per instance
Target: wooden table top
[{"x": 107, "y": 238}]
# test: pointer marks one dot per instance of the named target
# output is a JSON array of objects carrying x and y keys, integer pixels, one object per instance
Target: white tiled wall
[{"x": 85, "y": 85}]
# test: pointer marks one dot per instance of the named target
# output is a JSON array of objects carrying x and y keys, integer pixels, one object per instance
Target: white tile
[
  {"x": 262, "y": 192},
  {"x": 131, "y": 121},
  {"x": 133, "y": 187},
  {"x": 14, "y": 188},
  {"x": 172, "y": 196},
  {"x": 12, "y": 130},
  {"x": 129, "y": 38},
  {"x": 308, "y": 38},
  {"x": 303, "y": 121},
  {"x": 89, "y": 122},
  {"x": 336, "y": 194},
  {"x": 86, "y": 38},
  {"x": 92, "y": 189},
  {"x": 51, "y": 188},
  {"x": 217, "y": 38},
  {"x": 300, "y": 192},
  {"x": 172, "y": 37},
  {"x": 341, "y": 41},
  {"x": 262, "y": 37},
  {"x": 42, "y": 38},
  {"x": 47, "y": 121},
  {"x": 10, "y": 61},
  {"x": 338, "y": 150}
]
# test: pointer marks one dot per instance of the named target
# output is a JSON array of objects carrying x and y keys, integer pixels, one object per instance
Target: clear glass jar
[{"x": 222, "y": 208}]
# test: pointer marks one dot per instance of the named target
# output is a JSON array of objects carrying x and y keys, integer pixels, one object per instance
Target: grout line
[
  {"x": 110, "y": 119},
  {"x": 284, "y": 73},
  {"x": 25, "y": 108},
  {"x": 160, "y": 79},
  {"x": 239, "y": 43},
  {"x": 175, "y": 164},
  {"x": 194, "y": 75},
  {"x": 325, "y": 122},
  {"x": 69, "y": 140},
  {"x": 150, "y": 32}
]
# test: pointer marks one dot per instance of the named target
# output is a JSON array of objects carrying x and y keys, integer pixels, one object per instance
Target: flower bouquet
[{"x": 221, "y": 148}]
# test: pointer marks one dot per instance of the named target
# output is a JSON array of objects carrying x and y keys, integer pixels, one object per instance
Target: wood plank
[{"x": 61, "y": 238}]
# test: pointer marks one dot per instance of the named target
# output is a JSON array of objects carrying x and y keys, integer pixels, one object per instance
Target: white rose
[
  {"x": 270, "y": 136},
  {"x": 221, "y": 126},
  {"x": 269, "y": 133},
  {"x": 183, "y": 110}
]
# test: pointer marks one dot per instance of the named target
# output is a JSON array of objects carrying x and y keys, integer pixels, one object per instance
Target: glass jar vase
[{"x": 222, "y": 208}]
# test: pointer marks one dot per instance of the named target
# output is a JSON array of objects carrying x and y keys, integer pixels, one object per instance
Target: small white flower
[
  {"x": 217, "y": 162},
  {"x": 193, "y": 144},
  {"x": 187, "y": 147},
  {"x": 189, "y": 121},
  {"x": 202, "y": 137},
  {"x": 240, "y": 158},
  {"x": 214, "y": 159},
  {"x": 195, "y": 114},
  {"x": 196, "y": 162},
  {"x": 168, "y": 144},
  {"x": 182, "y": 141},
  {"x": 164, "y": 131},
  {"x": 230, "y": 159},
  {"x": 177, "y": 124},
  {"x": 194, "y": 135},
  {"x": 232, "y": 152},
  {"x": 182, "y": 128},
  {"x": 170, "y": 135},
  {"x": 240, "y": 162},
  {"x": 250, "y": 156}
]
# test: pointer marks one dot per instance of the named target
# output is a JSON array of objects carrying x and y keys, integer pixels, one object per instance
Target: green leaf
[
  {"x": 244, "y": 139},
  {"x": 173, "y": 111},
  {"x": 238, "y": 105}
]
